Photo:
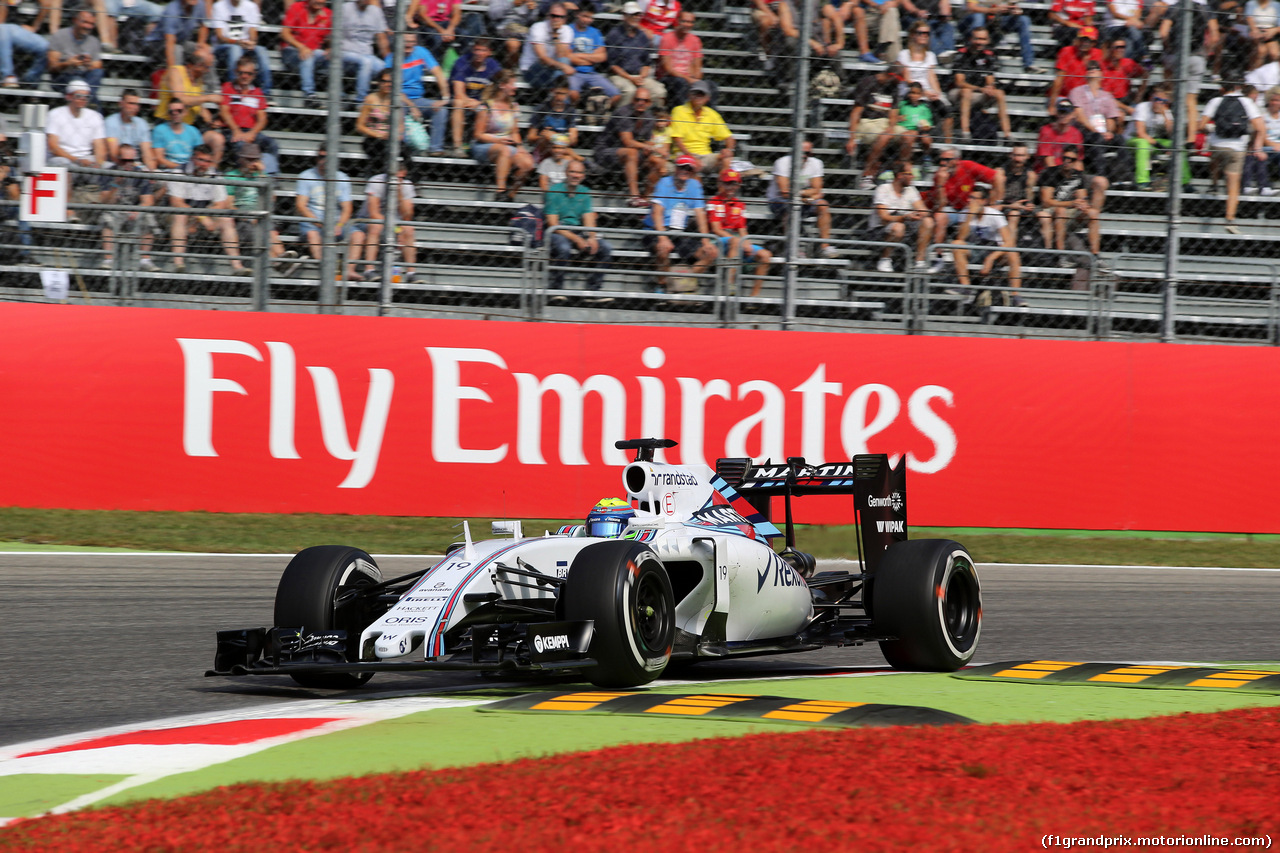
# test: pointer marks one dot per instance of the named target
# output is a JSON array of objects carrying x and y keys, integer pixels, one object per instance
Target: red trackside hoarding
[{"x": 117, "y": 408}]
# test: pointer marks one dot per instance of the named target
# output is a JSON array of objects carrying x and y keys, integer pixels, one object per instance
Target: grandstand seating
[{"x": 469, "y": 268}]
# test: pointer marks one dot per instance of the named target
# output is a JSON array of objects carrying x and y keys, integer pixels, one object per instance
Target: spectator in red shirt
[
  {"x": 306, "y": 29},
  {"x": 1118, "y": 74},
  {"x": 244, "y": 114},
  {"x": 727, "y": 218},
  {"x": 1058, "y": 134},
  {"x": 659, "y": 16},
  {"x": 444, "y": 26},
  {"x": 952, "y": 183},
  {"x": 680, "y": 61},
  {"x": 1069, "y": 17},
  {"x": 1071, "y": 64}
]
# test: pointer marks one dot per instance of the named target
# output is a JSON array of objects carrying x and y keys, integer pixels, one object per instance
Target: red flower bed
[{"x": 958, "y": 788}]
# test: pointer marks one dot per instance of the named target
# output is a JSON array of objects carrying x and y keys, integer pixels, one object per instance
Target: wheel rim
[
  {"x": 650, "y": 615},
  {"x": 960, "y": 605}
]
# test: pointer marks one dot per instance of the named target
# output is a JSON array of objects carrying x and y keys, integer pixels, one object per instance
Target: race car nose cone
[{"x": 393, "y": 645}]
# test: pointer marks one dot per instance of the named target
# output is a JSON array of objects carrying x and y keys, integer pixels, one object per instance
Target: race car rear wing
[{"x": 879, "y": 494}]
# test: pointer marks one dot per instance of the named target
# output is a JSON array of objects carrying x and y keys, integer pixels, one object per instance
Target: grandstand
[{"x": 471, "y": 266}]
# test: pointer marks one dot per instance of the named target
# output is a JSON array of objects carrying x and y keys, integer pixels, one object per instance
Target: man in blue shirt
[
  {"x": 310, "y": 200},
  {"x": 586, "y": 50},
  {"x": 472, "y": 73},
  {"x": 418, "y": 62},
  {"x": 678, "y": 203},
  {"x": 174, "y": 140},
  {"x": 128, "y": 128},
  {"x": 569, "y": 205}
]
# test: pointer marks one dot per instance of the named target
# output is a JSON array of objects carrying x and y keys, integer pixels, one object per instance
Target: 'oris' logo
[
  {"x": 894, "y": 500},
  {"x": 552, "y": 643}
]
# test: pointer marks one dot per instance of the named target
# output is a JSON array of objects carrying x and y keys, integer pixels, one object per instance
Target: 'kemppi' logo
[
  {"x": 551, "y": 643},
  {"x": 894, "y": 500}
]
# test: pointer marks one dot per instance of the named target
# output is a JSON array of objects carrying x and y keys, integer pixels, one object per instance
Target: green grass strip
[{"x": 28, "y": 794}]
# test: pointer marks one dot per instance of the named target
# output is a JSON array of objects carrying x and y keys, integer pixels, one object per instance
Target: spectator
[
  {"x": 1237, "y": 122},
  {"x": 137, "y": 192},
  {"x": 557, "y": 116},
  {"x": 1064, "y": 197},
  {"x": 680, "y": 61},
  {"x": 916, "y": 120},
  {"x": 848, "y": 12},
  {"x": 694, "y": 126},
  {"x": 812, "y": 196},
  {"x": 1119, "y": 73},
  {"x": 246, "y": 196},
  {"x": 883, "y": 18},
  {"x": 920, "y": 64},
  {"x": 1204, "y": 41},
  {"x": 1057, "y": 135},
  {"x": 444, "y": 26},
  {"x": 984, "y": 225},
  {"x": 678, "y": 202},
  {"x": 1099, "y": 117},
  {"x": 727, "y": 219},
  {"x": 364, "y": 41},
  {"x": 1000, "y": 18},
  {"x": 174, "y": 141},
  {"x": 418, "y": 62},
  {"x": 631, "y": 57},
  {"x": 185, "y": 84},
  {"x": 899, "y": 215},
  {"x": 659, "y": 17},
  {"x": 586, "y": 51},
  {"x": 107, "y": 12},
  {"x": 937, "y": 14},
  {"x": 951, "y": 186},
  {"x": 511, "y": 21},
  {"x": 471, "y": 75},
  {"x": 310, "y": 199},
  {"x": 1263, "y": 17},
  {"x": 627, "y": 140},
  {"x": 128, "y": 128},
  {"x": 76, "y": 54},
  {"x": 826, "y": 33},
  {"x": 874, "y": 119},
  {"x": 1069, "y": 18},
  {"x": 1125, "y": 24},
  {"x": 244, "y": 114},
  {"x": 202, "y": 197},
  {"x": 181, "y": 30},
  {"x": 16, "y": 35},
  {"x": 1152, "y": 128},
  {"x": 767, "y": 15},
  {"x": 974, "y": 85},
  {"x": 553, "y": 167},
  {"x": 1236, "y": 49},
  {"x": 373, "y": 218},
  {"x": 76, "y": 137},
  {"x": 568, "y": 207},
  {"x": 1264, "y": 78},
  {"x": 307, "y": 25},
  {"x": 374, "y": 121},
  {"x": 1019, "y": 186},
  {"x": 1071, "y": 63},
  {"x": 235, "y": 30},
  {"x": 497, "y": 137},
  {"x": 1257, "y": 170},
  {"x": 543, "y": 59}
]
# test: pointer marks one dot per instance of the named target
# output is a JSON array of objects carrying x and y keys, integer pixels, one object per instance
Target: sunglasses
[
  {"x": 948, "y": 159},
  {"x": 128, "y": 159},
  {"x": 1070, "y": 158}
]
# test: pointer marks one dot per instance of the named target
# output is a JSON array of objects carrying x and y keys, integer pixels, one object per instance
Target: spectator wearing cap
[
  {"x": 245, "y": 195},
  {"x": 630, "y": 57},
  {"x": 310, "y": 200},
  {"x": 628, "y": 141},
  {"x": 694, "y": 126},
  {"x": 1071, "y": 63},
  {"x": 556, "y": 116},
  {"x": 137, "y": 192},
  {"x": 727, "y": 219},
  {"x": 552, "y": 168},
  {"x": 76, "y": 54},
  {"x": 365, "y": 39},
  {"x": 678, "y": 203},
  {"x": 235, "y": 32},
  {"x": 567, "y": 207},
  {"x": 1069, "y": 18},
  {"x": 471, "y": 75},
  {"x": 21, "y": 36},
  {"x": 1099, "y": 117},
  {"x": 127, "y": 127},
  {"x": 372, "y": 220},
  {"x": 307, "y": 25},
  {"x": 418, "y": 62},
  {"x": 1057, "y": 134},
  {"x": 202, "y": 197},
  {"x": 244, "y": 115},
  {"x": 680, "y": 61},
  {"x": 812, "y": 196},
  {"x": 76, "y": 136},
  {"x": 546, "y": 48},
  {"x": 174, "y": 141},
  {"x": 587, "y": 51}
]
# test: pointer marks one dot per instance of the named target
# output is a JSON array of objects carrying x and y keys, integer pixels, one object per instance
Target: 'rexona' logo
[{"x": 894, "y": 500}]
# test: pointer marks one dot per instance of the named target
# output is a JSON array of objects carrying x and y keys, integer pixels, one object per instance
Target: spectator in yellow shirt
[{"x": 694, "y": 126}]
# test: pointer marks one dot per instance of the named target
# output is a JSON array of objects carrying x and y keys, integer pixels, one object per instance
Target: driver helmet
[{"x": 609, "y": 517}]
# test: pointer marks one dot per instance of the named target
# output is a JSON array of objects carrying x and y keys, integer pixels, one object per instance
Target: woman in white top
[
  {"x": 1257, "y": 173},
  {"x": 920, "y": 63},
  {"x": 497, "y": 136},
  {"x": 1264, "y": 29}
]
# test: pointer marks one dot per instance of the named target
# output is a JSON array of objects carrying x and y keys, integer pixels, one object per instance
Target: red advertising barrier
[{"x": 117, "y": 408}]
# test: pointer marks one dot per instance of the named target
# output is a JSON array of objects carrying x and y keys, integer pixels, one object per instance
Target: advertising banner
[{"x": 119, "y": 408}]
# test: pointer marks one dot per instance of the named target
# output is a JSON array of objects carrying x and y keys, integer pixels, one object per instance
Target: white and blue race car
[{"x": 682, "y": 570}]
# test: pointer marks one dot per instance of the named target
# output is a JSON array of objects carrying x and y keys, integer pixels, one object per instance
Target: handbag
[{"x": 415, "y": 135}]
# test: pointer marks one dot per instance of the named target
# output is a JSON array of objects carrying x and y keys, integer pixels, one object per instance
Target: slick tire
[
  {"x": 306, "y": 598},
  {"x": 624, "y": 588},
  {"x": 927, "y": 595}
]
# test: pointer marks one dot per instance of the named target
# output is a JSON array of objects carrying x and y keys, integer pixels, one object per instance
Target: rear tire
[
  {"x": 305, "y": 599},
  {"x": 927, "y": 594},
  {"x": 624, "y": 588}
]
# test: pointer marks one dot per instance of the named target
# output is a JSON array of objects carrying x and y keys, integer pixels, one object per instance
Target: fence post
[
  {"x": 262, "y": 258},
  {"x": 328, "y": 291},
  {"x": 799, "y": 102},
  {"x": 391, "y": 191}
]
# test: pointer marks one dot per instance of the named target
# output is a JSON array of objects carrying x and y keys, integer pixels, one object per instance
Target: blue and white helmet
[{"x": 609, "y": 517}]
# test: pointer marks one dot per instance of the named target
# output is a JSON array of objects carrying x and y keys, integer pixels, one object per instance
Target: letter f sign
[
  {"x": 37, "y": 193},
  {"x": 44, "y": 197}
]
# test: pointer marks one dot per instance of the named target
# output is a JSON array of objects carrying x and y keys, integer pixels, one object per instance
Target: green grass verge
[{"x": 263, "y": 533}]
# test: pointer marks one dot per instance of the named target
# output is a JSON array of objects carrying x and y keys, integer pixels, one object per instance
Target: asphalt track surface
[{"x": 93, "y": 640}]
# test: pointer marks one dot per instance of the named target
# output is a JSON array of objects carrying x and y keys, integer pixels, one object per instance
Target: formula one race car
[{"x": 681, "y": 571}]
